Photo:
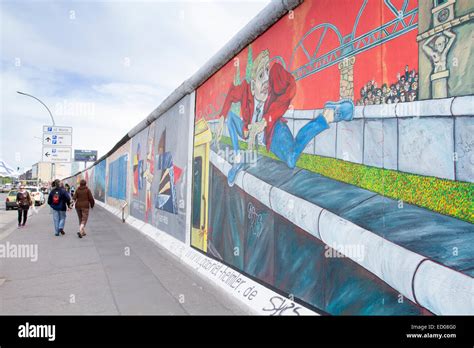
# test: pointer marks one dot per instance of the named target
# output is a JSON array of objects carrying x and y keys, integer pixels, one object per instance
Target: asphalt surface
[
  {"x": 6, "y": 217},
  {"x": 113, "y": 270}
]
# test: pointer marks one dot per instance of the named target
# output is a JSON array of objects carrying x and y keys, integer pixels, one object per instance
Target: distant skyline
[{"x": 101, "y": 67}]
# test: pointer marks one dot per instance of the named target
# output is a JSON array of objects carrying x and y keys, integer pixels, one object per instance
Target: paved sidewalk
[{"x": 94, "y": 275}]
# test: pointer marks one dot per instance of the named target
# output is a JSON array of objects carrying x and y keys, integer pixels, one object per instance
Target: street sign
[
  {"x": 56, "y": 154},
  {"x": 85, "y": 155},
  {"x": 57, "y": 139},
  {"x": 57, "y": 129},
  {"x": 57, "y": 142}
]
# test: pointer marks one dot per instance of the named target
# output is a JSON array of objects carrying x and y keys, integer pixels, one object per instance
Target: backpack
[{"x": 56, "y": 198}]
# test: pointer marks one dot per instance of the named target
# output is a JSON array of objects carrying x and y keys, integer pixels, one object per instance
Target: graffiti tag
[{"x": 281, "y": 306}]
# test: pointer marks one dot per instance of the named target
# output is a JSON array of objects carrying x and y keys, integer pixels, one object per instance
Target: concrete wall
[
  {"x": 428, "y": 138},
  {"x": 111, "y": 201}
]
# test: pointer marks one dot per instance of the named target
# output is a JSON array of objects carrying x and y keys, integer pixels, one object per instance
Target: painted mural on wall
[
  {"x": 312, "y": 151},
  {"x": 159, "y": 162},
  {"x": 99, "y": 180},
  {"x": 118, "y": 178}
]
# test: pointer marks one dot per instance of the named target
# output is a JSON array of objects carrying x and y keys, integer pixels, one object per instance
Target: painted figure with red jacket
[{"x": 263, "y": 102}]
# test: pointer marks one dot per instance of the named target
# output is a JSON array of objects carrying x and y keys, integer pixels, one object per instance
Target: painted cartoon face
[
  {"x": 414, "y": 86},
  {"x": 440, "y": 44},
  {"x": 407, "y": 86},
  {"x": 260, "y": 85}
]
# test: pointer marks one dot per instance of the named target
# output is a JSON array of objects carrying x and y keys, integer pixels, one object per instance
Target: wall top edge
[{"x": 258, "y": 25}]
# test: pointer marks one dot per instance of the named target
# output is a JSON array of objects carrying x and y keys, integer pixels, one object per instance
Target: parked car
[
  {"x": 36, "y": 195},
  {"x": 5, "y": 188},
  {"x": 10, "y": 201}
]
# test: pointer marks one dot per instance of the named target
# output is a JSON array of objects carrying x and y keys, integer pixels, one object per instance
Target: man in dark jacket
[{"x": 59, "y": 200}]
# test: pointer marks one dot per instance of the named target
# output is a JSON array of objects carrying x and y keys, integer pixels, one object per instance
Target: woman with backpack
[
  {"x": 83, "y": 201},
  {"x": 24, "y": 201}
]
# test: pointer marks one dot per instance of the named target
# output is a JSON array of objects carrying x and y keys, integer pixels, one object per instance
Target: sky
[{"x": 100, "y": 66}]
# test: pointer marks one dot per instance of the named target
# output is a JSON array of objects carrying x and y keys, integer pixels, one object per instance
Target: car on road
[
  {"x": 5, "y": 188},
  {"x": 36, "y": 195},
  {"x": 10, "y": 200}
]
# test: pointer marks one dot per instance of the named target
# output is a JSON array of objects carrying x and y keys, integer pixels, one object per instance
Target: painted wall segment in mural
[
  {"x": 159, "y": 165},
  {"x": 332, "y": 160},
  {"x": 119, "y": 174},
  {"x": 317, "y": 131},
  {"x": 99, "y": 180}
]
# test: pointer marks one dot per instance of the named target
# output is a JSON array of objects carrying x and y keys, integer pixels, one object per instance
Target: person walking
[
  {"x": 59, "y": 200},
  {"x": 83, "y": 200},
  {"x": 24, "y": 201}
]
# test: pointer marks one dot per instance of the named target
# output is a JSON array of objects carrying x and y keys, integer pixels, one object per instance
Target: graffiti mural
[
  {"x": 118, "y": 178},
  {"x": 159, "y": 156},
  {"x": 319, "y": 169},
  {"x": 331, "y": 160},
  {"x": 99, "y": 180}
]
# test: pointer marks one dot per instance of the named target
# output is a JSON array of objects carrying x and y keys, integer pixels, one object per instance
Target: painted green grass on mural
[{"x": 447, "y": 197}]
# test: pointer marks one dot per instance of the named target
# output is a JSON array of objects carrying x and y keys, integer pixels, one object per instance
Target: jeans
[
  {"x": 59, "y": 219},
  {"x": 286, "y": 147},
  {"x": 22, "y": 213},
  {"x": 235, "y": 125}
]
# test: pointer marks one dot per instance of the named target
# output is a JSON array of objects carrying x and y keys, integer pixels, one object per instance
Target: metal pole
[
  {"x": 52, "y": 119},
  {"x": 29, "y": 95}
]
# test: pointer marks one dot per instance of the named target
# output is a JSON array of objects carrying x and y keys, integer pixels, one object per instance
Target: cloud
[{"x": 101, "y": 67}]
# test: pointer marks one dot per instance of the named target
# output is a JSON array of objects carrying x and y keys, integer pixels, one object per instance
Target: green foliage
[
  {"x": 5, "y": 180},
  {"x": 453, "y": 198}
]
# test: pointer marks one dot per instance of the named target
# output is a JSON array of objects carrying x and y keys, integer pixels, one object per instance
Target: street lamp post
[
  {"x": 29, "y": 95},
  {"x": 52, "y": 119}
]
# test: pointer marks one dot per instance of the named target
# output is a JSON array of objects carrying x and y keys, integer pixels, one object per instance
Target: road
[
  {"x": 113, "y": 270},
  {"x": 6, "y": 217}
]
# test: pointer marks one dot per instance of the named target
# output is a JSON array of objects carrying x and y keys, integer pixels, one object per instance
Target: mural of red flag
[{"x": 177, "y": 173}]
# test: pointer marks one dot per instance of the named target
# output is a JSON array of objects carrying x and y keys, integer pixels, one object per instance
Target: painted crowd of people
[{"x": 405, "y": 89}]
